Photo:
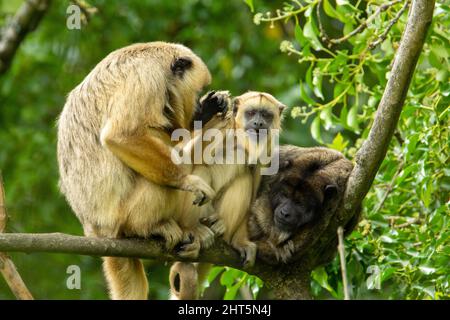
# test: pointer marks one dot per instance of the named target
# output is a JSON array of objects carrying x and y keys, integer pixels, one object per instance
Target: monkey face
[
  {"x": 295, "y": 202},
  {"x": 257, "y": 119},
  {"x": 254, "y": 111}
]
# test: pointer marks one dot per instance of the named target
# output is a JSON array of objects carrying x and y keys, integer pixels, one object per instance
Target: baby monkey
[{"x": 248, "y": 125}]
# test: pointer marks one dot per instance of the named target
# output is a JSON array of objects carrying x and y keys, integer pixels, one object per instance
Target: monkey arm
[
  {"x": 147, "y": 152},
  {"x": 211, "y": 104}
]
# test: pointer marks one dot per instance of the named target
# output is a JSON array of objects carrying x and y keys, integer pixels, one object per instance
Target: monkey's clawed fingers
[
  {"x": 284, "y": 253},
  {"x": 189, "y": 247},
  {"x": 217, "y": 101},
  {"x": 215, "y": 223},
  {"x": 248, "y": 255},
  {"x": 171, "y": 233},
  {"x": 202, "y": 191}
]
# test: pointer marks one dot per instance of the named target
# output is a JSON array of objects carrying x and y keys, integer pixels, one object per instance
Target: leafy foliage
[{"x": 401, "y": 247}]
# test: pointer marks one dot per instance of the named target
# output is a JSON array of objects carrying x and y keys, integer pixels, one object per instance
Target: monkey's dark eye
[
  {"x": 251, "y": 113},
  {"x": 267, "y": 114}
]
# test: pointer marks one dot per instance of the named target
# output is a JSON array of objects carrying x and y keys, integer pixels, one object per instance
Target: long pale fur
[{"x": 114, "y": 151}]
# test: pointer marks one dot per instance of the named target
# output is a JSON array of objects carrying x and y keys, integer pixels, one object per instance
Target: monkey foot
[
  {"x": 285, "y": 252},
  {"x": 248, "y": 255},
  {"x": 215, "y": 224},
  {"x": 188, "y": 248},
  {"x": 171, "y": 233},
  {"x": 205, "y": 235}
]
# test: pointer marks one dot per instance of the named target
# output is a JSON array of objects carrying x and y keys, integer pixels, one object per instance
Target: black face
[
  {"x": 295, "y": 203},
  {"x": 258, "y": 118}
]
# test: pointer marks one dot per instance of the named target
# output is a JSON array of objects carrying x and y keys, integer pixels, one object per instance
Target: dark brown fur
[{"x": 310, "y": 182}]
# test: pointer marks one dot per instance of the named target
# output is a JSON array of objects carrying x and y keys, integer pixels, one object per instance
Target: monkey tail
[
  {"x": 126, "y": 278},
  {"x": 186, "y": 280},
  {"x": 183, "y": 280}
]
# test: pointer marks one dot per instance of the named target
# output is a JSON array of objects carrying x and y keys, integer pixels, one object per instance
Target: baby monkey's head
[{"x": 254, "y": 111}]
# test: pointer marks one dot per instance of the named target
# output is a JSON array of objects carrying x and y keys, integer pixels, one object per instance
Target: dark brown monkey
[{"x": 310, "y": 182}]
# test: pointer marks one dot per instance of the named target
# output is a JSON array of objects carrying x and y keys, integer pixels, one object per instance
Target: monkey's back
[{"x": 92, "y": 179}]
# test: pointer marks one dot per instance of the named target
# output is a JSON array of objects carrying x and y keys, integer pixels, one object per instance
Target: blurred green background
[{"x": 412, "y": 186}]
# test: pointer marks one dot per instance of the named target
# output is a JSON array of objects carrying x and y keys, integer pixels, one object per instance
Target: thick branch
[
  {"x": 373, "y": 151},
  {"x": 219, "y": 254},
  {"x": 25, "y": 21}
]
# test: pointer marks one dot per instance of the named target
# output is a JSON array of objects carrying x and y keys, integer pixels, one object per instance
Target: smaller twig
[
  {"x": 383, "y": 36},
  {"x": 390, "y": 187},
  {"x": 407, "y": 223},
  {"x": 87, "y": 9},
  {"x": 3, "y": 215},
  {"x": 399, "y": 137},
  {"x": 24, "y": 21},
  {"x": 366, "y": 22},
  {"x": 7, "y": 267},
  {"x": 323, "y": 35},
  {"x": 13, "y": 279},
  {"x": 341, "y": 250}
]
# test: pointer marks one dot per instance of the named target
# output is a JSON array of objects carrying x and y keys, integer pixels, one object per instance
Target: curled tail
[{"x": 186, "y": 280}]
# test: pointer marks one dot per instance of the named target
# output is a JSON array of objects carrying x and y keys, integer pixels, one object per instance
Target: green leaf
[
  {"x": 427, "y": 270},
  {"x": 434, "y": 60},
  {"x": 352, "y": 118},
  {"x": 343, "y": 116},
  {"x": 215, "y": 271},
  {"x": 338, "y": 143},
  {"x": 229, "y": 277},
  {"x": 299, "y": 36},
  {"x": 317, "y": 84},
  {"x": 231, "y": 292},
  {"x": 315, "y": 129},
  {"x": 329, "y": 10},
  {"x": 309, "y": 33},
  {"x": 250, "y": 4},
  {"x": 387, "y": 273},
  {"x": 303, "y": 94},
  {"x": 326, "y": 115},
  {"x": 321, "y": 277},
  {"x": 387, "y": 239}
]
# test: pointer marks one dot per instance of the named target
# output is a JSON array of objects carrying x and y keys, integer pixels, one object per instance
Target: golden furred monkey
[{"x": 114, "y": 151}]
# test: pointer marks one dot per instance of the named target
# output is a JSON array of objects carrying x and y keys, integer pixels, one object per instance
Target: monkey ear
[
  {"x": 281, "y": 107},
  {"x": 180, "y": 65},
  {"x": 235, "y": 104},
  {"x": 329, "y": 191}
]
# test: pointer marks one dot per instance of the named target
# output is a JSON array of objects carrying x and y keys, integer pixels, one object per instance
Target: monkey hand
[
  {"x": 285, "y": 252},
  {"x": 215, "y": 223},
  {"x": 213, "y": 103},
  {"x": 202, "y": 191},
  {"x": 248, "y": 254}
]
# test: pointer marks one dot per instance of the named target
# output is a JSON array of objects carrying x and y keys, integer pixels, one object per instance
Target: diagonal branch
[
  {"x": 25, "y": 21},
  {"x": 374, "y": 148},
  {"x": 7, "y": 267}
]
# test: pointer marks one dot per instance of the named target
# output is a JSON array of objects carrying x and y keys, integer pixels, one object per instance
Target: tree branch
[
  {"x": 25, "y": 21},
  {"x": 365, "y": 23},
  {"x": 219, "y": 254},
  {"x": 373, "y": 150}
]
